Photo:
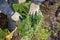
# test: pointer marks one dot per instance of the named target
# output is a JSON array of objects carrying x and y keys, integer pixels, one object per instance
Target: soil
[
  {"x": 16, "y": 36},
  {"x": 49, "y": 11},
  {"x": 3, "y": 21}
]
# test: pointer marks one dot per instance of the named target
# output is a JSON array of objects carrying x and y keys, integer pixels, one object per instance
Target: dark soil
[
  {"x": 16, "y": 36},
  {"x": 3, "y": 21},
  {"x": 50, "y": 18},
  {"x": 49, "y": 11}
]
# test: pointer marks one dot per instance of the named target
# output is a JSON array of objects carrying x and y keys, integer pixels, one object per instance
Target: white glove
[
  {"x": 33, "y": 9},
  {"x": 16, "y": 16}
]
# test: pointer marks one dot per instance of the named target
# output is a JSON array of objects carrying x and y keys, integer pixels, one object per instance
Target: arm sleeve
[
  {"x": 5, "y": 8},
  {"x": 37, "y": 1},
  {"x": 2, "y": 1}
]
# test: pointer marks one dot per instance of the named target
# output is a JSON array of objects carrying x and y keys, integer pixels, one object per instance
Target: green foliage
[
  {"x": 31, "y": 25},
  {"x": 22, "y": 8},
  {"x": 3, "y": 34},
  {"x": 43, "y": 34}
]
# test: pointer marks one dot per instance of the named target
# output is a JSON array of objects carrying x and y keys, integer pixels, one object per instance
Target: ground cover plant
[{"x": 33, "y": 27}]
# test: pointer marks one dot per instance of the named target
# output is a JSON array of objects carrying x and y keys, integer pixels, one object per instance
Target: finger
[
  {"x": 31, "y": 12},
  {"x": 37, "y": 12}
]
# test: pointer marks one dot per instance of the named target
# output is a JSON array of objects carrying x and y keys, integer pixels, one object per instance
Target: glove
[
  {"x": 13, "y": 21},
  {"x": 15, "y": 16},
  {"x": 33, "y": 9}
]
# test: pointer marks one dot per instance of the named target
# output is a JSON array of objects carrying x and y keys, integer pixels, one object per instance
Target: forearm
[
  {"x": 38, "y": 2},
  {"x": 5, "y": 8},
  {"x": 2, "y": 1}
]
